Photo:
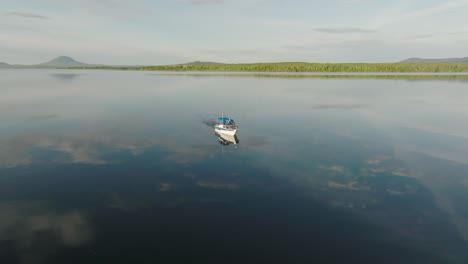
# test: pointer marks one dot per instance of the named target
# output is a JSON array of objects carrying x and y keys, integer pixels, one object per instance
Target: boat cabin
[{"x": 227, "y": 122}]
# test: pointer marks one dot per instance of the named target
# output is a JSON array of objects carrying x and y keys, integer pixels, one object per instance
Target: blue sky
[{"x": 176, "y": 31}]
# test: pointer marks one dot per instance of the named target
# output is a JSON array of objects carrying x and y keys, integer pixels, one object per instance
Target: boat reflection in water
[{"x": 224, "y": 139}]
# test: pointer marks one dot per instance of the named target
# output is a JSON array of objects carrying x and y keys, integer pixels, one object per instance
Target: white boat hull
[{"x": 227, "y": 139}]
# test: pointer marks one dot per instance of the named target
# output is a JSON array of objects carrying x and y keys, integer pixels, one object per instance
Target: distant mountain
[
  {"x": 5, "y": 65},
  {"x": 201, "y": 63},
  {"x": 61, "y": 61},
  {"x": 442, "y": 60}
]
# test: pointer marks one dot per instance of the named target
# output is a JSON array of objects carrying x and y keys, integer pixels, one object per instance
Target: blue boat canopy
[{"x": 226, "y": 120}]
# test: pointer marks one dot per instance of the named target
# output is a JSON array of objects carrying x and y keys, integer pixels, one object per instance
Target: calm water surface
[{"x": 123, "y": 167}]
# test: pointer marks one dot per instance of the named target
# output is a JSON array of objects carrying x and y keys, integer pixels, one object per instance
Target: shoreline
[{"x": 300, "y": 68}]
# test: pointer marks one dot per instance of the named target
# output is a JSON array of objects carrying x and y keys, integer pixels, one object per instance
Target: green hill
[{"x": 5, "y": 65}]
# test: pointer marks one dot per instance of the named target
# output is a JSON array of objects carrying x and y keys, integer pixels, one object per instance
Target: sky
[{"x": 155, "y": 32}]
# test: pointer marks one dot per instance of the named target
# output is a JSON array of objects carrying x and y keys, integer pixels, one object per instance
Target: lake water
[{"x": 123, "y": 167}]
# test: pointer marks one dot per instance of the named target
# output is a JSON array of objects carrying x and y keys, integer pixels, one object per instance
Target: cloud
[
  {"x": 422, "y": 36},
  {"x": 205, "y": 2},
  {"x": 345, "y": 30},
  {"x": 113, "y": 8},
  {"x": 110, "y": 49},
  {"x": 349, "y": 2},
  {"x": 27, "y": 15},
  {"x": 445, "y": 35},
  {"x": 398, "y": 15},
  {"x": 443, "y": 7},
  {"x": 202, "y": 2},
  {"x": 339, "y": 106}
]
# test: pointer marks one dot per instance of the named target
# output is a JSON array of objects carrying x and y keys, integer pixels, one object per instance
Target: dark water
[{"x": 122, "y": 167}]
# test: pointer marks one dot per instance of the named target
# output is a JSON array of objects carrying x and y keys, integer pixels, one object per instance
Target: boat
[{"x": 226, "y": 126}]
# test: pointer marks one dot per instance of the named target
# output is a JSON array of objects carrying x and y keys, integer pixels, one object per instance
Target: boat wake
[{"x": 209, "y": 122}]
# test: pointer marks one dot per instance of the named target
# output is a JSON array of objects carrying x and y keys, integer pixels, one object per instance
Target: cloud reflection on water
[
  {"x": 36, "y": 230},
  {"x": 86, "y": 149},
  {"x": 133, "y": 142}
]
